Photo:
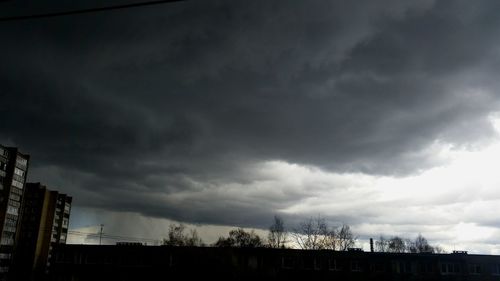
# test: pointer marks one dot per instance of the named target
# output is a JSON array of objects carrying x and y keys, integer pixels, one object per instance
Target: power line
[
  {"x": 87, "y": 11},
  {"x": 111, "y": 237}
]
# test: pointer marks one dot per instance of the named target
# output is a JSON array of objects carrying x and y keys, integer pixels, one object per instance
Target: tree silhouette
[
  {"x": 178, "y": 237},
  {"x": 241, "y": 239},
  {"x": 277, "y": 237},
  {"x": 397, "y": 244},
  {"x": 315, "y": 234}
]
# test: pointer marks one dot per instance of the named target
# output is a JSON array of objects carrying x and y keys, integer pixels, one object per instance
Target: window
[
  {"x": 403, "y": 267},
  {"x": 21, "y": 161},
  {"x": 317, "y": 264},
  {"x": 16, "y": 190},
  {"x": 19, "y": 172},
  {"x": 4, "y": 256},
  {"x": 426, "y": 267},
  {"x": 474, "y": 269},
  {"x": 378, "y": 267},
  {"x": 9, "y": 228},
  {"x": 15, "y": 197},
  {"x": 67, "y": 207},
  {"x": 287, "y": 262},
  {"x": 253, "y": 262},
  {"x": 308, "y": 262},
  {"x": 450, "y": 268},
  {"x": 2, "y": 151},
  {"x": 17, "y": 183},
  {"x": 495, "y": 269},
  {"x": 12, "y": 210},
  {"x": 334, "y": 265},
  {"x": 7, "y": 238},
  {"x": 14, "y": 203},
  {"x": 355, "y": 266},
  {"x": 11, "y": 217},
  {"x": 3, "y": 166}
]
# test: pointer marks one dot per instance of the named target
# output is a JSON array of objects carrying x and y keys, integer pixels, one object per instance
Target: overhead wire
[
  {"x": 86, "y": 11},
  {"x": 112, "y": 237},
  {"x": 95, "y": 235}
]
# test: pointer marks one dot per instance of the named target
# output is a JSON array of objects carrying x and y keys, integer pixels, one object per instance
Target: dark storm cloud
[{"x": 127, "y": 110}]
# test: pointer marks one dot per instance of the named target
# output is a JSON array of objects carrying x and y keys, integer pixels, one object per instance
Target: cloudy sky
[{"x": 384, "y": 115}]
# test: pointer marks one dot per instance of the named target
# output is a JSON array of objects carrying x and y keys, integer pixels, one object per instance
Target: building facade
[
  {"x": 136, "y": 262},
  {"x": 44, "y": 224},
  {"x": 13, "y": 172}
]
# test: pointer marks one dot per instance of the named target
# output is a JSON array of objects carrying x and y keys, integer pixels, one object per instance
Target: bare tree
[
  {"x": 277, "y": 237},
  {"x": 396, "y": 245},
  {"x": 241, "y": 239},
  {"x": 310, "y": 234},
  {"x": 439, "y": 250},
  {"x": 177, "y": 237},
  {"x": 331, "y": 240},
  {"x": 315, "y": 234},
  {"x": 422, "y": 245},
  {"x": 381, "y": 244},
  {"x": 193, "y": 239},
  {"x": 345, "y": 238}
]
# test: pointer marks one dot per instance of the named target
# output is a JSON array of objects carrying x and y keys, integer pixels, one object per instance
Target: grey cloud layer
[{"x": 149, "y": 103}]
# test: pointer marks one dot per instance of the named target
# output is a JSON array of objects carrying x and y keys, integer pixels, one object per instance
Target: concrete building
[
  {"x": 136, "y": 262},
  {"x": 13, "y": 171},
  {"x": 44, "y": 224}
]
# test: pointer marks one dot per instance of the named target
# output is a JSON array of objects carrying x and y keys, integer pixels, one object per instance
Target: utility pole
[{"x": 100, "y": 234}]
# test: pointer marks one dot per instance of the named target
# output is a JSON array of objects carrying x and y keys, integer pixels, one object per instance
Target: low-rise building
[{"x": 136, "y": 262}]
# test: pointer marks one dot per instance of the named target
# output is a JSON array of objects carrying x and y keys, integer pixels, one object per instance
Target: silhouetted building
[
  {"x": 44, "y": 224},
  {"x": 135, "y": 262},
  {"x": 13, "y": 171}
]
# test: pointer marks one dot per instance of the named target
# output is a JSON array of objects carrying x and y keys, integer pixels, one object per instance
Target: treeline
[
  {"x": 396, "y": 244},
  {"x": 310, "y": 234}
]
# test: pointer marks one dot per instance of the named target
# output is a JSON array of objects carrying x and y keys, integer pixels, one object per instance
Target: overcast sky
[{"x": 384, "y": 115}]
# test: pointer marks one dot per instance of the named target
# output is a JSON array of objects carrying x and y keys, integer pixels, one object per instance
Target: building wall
[{"x": 131, "y": 262}]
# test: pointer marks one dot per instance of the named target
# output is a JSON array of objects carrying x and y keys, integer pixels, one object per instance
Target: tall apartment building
[
  {"x": 44, "y": 224},
  {"x": 13, "y": 171}
]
